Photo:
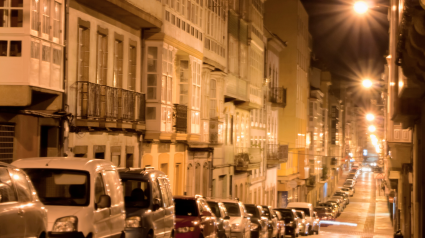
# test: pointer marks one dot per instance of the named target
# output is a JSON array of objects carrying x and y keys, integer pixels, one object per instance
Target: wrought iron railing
[
  {"x": 277, "y": 95},
  {"x": 99, "y": 101}
]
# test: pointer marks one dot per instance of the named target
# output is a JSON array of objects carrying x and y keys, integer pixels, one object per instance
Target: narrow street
[{"x": 366, "y": 215}]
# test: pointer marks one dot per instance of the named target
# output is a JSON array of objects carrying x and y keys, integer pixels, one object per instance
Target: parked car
[
  {"x": 305, "y": 226},
  {"x": 338, "y": 207},
  {"x": 259, "y": 224},
  {"x": 83, "y": 197},
  {"x": 342, "y": 199},
  {"x": 149, "y": 203},
  {"x": 280, "y": 224},
  {"x": 223, "y": 219},
  {"x": 351, "y": 176},
  {"x": 348, "y": 191},
  {"x": 21, "y": 212},
  {"x": 194, "y": 217},
  {"x": 307, "y": 208},
  {"x": 290, "y": 218},
  {"x": 240, "y": 225},
  {"x": 339, "y": 201},
  {"x": 351, "y": 180},
  {"x": 333, "y": 208},
  {"x": 324, "y": 213},
  {"x": 348, "y": 184},
  {"x": 339, "y": 193},
  {"x": 316, "y": 223},
  {"x": 272, "y": 223}
]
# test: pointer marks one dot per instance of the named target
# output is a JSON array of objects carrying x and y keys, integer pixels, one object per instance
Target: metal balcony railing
[
  {"x": 96, "y": 101},
  {"x": 276, "y": 154},
  {"x": 311, "y": 181},
  {"x": 277, "y": 96},
  {"x": 180, "y": 118},
  {"x": 247, "y": 158}
]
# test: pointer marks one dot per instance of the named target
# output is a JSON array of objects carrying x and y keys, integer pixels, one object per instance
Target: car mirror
[
  {"x": 104, "y": 202},
  {"x": 227, "y": 218},
  {"x": 248, "y": 215},
  {"x": 206, "y": 213},
  {"x": 156, "y": 204}
]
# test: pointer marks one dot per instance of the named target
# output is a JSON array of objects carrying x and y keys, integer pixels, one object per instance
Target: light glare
[
  {"x": 372, "y": 128},
  {"x": 370, "y": 117},
  {"x": 360, "y": 7},
  {"x": 367, "y": 83}
]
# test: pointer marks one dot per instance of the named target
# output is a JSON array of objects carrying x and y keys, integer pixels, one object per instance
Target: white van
[
  {"x": 307, "y": 208},
  {"x": 83, "y": 197}
]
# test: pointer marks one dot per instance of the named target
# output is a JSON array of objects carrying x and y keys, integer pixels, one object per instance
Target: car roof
[
  {"x": 185, "y": 197},
  {"x": 2, "y": 164},
  {"x": 284, "y": 209},
  {"x": 223, "y": 200},
  {"x": 300, "y": 204},
  {"x": 71, "y": 163},
  {"x": 140, "y": 174}
]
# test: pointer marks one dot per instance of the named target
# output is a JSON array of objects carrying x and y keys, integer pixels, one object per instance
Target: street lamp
[
  {"x": 367, "y": 83},
  {"x": 361, "y": 7},
  {"x": 370, "y": 117},
  {"x": 372, "y": 128}
]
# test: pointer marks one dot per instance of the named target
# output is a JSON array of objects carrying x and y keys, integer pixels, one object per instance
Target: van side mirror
[
  {"x": 156, "y": 204},
  {"x": 104, "y": 202},
  {"x": 206, "y": 213}
]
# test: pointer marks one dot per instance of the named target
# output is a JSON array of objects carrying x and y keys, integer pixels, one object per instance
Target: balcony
[
  {"x": 276, "y": 154},
  {"x": 236, "y": 88},
  {"x": 247, "y": 159},
  {"x": 180, "y": 119},
  {"x": 97, "y": 102},
  {"x": 277, "y": 96}
]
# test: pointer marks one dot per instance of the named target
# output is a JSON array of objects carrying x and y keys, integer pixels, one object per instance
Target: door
[
  {"x": 114, "y": 190},
  {"x": 101, "y": 215},
  {"x": 209, "y": 227},
  {"x": 29, "y": 208},
  {"x": 158, "y": 213},
  {"x": 168, "y": 206},
  {"x": 10, "y": 213}
]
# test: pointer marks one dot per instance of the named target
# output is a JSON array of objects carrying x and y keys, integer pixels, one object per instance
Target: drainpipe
[
  {"x": 64, "y": 133},
  {"x": 211, "y": 171}
]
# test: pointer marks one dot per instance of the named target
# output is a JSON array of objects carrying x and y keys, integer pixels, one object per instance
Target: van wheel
[
  {"x": 310, "y": 231},
  {"x": 122, "y": 234},
  {"x": 150, "y": 235}
]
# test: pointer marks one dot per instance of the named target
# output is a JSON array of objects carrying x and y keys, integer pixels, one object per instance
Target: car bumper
[
  {"x": 135, "y": 232},
  {"x": 236, "y": 235},
  {"x": 187, "y": 235},
  {"x": 73, "y": 234}
]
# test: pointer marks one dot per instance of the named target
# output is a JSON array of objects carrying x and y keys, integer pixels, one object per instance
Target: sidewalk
[{"x": 383, "y": 226}]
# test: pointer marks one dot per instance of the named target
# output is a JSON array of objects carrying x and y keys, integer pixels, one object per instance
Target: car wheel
[
  {"x": 318, "y": 230},
  {"x": 293, "y": 235},
  {"x": 150, "y": 235}
]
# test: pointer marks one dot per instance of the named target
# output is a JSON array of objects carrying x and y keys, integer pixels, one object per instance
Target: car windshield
[
  {"x": 266, "y": 212},
  {"x": 320, "y": 209},
  {"x": 253, "y": 210},
  {"x": 184, "y": 207},
  {"x": 233, "y": 209},
  {"x": 345, "y": 189},
  {"x": 61, "y": 187},
  {"x": 214, "y": 208},
  {"x": 136, "y": 193},
  {"x": 285, "y": 215},
  {"x": 300, "y": 215},
  {"x": 305, "y": 210}
]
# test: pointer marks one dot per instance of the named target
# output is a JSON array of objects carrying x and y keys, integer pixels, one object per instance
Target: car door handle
[{"x": 21, "y": 212}]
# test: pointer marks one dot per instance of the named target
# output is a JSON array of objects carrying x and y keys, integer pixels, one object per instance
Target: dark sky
[{"x": 353, "y": 46}]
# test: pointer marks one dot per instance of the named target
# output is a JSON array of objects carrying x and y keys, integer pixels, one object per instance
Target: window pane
[
  {"x": 4, "y": 3},
  {"x": 4, "y": 17},
  {"x": 152, "y": 57},
  {"x": 17, "y": 3},
  {"x": 35, "y": 50},
  {"x": 15, "y": 48},
  {"x": 7, "y": 190},
  {"x": 152, "y": 80},
  {"x": 45, "y": 56},
  {"x": 16, "y": 18},
  {"x": 57, "y": 56},
  {"x": 3, "y": 47},
  {"x": 56, "y": 20},
  {"x": 22, "y": 187}
]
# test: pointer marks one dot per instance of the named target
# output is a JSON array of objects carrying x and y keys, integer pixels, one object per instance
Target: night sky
[{"x": 353, "y": 46}]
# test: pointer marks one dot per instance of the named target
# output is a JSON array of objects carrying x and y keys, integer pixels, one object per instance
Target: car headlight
[
  {"x": 254, "y": 226},
  {"x": 185, "y": 229},
  {"x": 132, "y": 222},
  {"x": 66, "y": 224}
]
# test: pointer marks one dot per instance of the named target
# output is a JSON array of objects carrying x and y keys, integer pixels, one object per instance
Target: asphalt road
[{"x": 366, "y": 216}]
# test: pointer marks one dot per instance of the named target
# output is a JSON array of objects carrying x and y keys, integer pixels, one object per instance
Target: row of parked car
[{"x": 77, "y": 197}]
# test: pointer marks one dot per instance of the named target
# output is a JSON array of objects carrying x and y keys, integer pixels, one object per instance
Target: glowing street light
[
  {"x": 372, "y": 128},
  {"x": 361, "y": 7},
  {"x": 367, "y": 83},
  {"x": 370, "y": 117}
]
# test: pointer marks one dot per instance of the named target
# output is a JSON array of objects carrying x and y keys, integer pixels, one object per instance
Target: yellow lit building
[{"x": 289, "y": 21}]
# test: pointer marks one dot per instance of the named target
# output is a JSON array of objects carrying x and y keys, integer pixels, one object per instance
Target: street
[{"x": 365, "y": 216}]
